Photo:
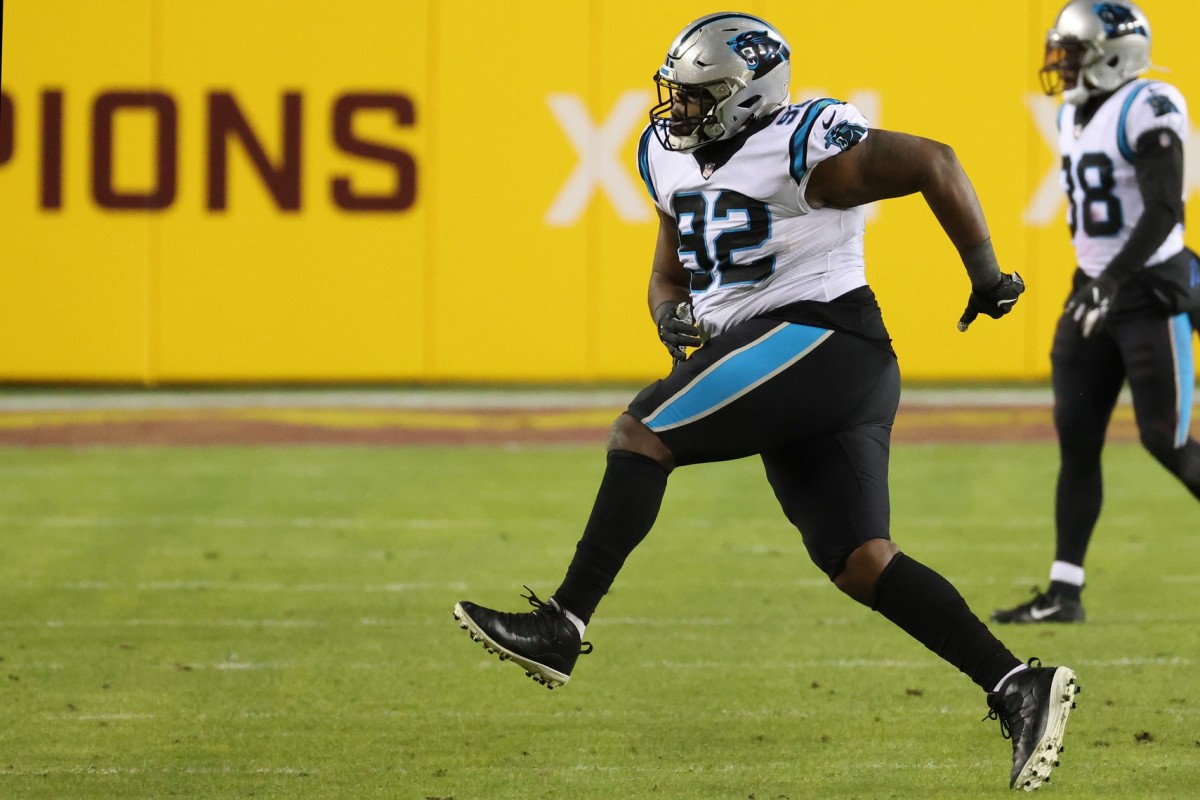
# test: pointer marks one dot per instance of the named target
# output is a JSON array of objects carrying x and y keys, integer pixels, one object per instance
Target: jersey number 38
[{"x": 1099, "y": 207}]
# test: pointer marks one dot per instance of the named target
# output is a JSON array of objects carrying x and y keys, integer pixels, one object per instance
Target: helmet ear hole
[
  {"x": 749, "y": 102},
  {"x": 1112, "y": 62}
]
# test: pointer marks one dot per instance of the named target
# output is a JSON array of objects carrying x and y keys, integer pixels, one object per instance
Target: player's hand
[
  {"x": 1090, "y": 305},
  {"x": 995, "y": 302},
  {"x": 677, "y": 328}
]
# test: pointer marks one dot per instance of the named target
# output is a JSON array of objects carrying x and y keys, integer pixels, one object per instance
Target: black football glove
[
  {"x": 995, "y": 302},
  {"x": 677, "y": 328},
  {"x": 1090, "y": 305}
]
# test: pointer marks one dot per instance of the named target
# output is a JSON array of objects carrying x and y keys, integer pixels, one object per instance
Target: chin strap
[{"x": 1076, "y": 97}]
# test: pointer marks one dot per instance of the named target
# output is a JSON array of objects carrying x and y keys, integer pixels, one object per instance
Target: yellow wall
[{"x": 489, "y": 250}]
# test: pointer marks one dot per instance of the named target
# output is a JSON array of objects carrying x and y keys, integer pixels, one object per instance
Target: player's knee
[
  {"x": 1078, "y": 439},
  {"x": 629, "y": 434},
  {"x": 1160, "y": 443},
  {"x": 861, "y": 574}
]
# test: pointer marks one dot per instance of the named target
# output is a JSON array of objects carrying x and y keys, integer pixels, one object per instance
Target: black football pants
[
  {"x": 1152, "y": 353},
  {"x": 817, "y": 407}
]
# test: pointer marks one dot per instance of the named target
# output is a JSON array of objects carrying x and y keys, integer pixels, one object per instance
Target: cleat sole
[
  {"x": 1037, "y": 769},
  {"x": 541, "y": 674}
]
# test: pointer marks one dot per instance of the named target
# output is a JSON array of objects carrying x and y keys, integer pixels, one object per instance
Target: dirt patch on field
[{"x": 458, "y": 426}]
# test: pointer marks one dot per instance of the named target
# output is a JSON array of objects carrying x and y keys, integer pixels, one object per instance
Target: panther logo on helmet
[
  {"x": 761, "y": 51},
  {"x": 1118, "y": 20}
]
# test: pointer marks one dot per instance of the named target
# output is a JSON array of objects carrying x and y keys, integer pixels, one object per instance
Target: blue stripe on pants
[
  {"x": 1185, "y": 374},
  {"x": 736, "y": 374}
]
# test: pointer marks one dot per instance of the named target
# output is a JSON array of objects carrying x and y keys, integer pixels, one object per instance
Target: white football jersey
[
  {"x": 1098, "y": 175},
  {"x": 746, "y": 234}
]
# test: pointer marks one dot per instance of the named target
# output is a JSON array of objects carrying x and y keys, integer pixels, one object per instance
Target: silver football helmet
[
  {"x": 1095, "y": 47},
  {"x": 721, "y": 72}
]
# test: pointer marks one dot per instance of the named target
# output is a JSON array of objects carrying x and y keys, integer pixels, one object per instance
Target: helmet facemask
[
  {"x": 686, "y": 114},
  {"x": 1062, "y": 69}
]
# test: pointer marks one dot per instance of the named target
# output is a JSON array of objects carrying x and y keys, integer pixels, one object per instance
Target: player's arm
[
  {"x": 889, "y": 164},
  {"x": 668, "y": 295},
  {"x": 1158, "y": 164}
]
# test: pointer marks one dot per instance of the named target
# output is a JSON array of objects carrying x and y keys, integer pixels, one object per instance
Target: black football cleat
[
  {"x": 543, "y": 641},
  {"x": 1033, "y": 707},
  {"x": 1044, "y": 607}
]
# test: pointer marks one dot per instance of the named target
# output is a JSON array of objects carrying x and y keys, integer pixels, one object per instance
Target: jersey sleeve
[
  {"x": 643, "y": 164},
  {"x": 1149, "y": 107},
  {"x": 823, "y": 129}
]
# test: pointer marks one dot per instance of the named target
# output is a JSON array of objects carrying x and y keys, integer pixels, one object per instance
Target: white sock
[
  {"x": 1064, "y": 572},
  {"x": 1014, "y": 671},
  {"x": 576, "y": 621}
]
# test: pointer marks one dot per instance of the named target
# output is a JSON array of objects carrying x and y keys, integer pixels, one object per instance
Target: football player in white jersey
[
  {"x": 759, "y": 266},
  {"x": 1122, "y": 140}
]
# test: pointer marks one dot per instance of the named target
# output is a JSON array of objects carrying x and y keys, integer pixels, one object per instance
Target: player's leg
[
  {"x": 624, "y": 511},
  {"x": 547, "y": 641},
  {"x": 711, "y": 407},
  {"x": 1087, "y": 378},
  {"x": 1087, "y": 375},
  {"x": 1159, "y": 361},
  {"x": 834, "y": 488},
  {"x": 722, "y": 403}
]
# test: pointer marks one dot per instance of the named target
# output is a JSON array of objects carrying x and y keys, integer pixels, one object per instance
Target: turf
[{"x": 275, "y": 622}]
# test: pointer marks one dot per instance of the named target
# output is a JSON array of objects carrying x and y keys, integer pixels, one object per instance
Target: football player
[
  {"x": 759, "y": 293},
  {"x": 1126, "y": 320}
]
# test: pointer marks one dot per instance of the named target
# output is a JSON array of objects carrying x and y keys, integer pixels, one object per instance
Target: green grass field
[{"x": 276, "y": 622}]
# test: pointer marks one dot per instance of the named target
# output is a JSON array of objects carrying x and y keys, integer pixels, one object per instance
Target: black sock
[
  {"x": 928, "y": 608},
  {"x": 1078, "y": 496},
  {"x": 1067, "y": 590},
  {"x": 625, "y": 509}
]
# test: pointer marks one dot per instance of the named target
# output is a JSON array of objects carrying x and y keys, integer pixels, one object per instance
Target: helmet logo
[
  {"x": 1118, "y": 20},
  {"x": 845, "y": 135},
  {"x": 760, "y": 50}
]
